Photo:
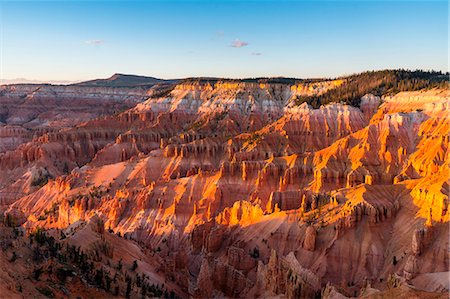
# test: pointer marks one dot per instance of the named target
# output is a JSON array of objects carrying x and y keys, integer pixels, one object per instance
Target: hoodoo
[{"x": 212, "y": 188}]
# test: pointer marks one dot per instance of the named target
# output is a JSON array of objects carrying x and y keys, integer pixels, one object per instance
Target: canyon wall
[{"x": 233, "y": 190}]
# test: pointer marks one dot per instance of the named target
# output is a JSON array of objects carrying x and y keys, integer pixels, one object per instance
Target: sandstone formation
[{"x": 227, "y": 188}]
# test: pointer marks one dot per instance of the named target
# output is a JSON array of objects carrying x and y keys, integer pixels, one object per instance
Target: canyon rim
[{"x": 294, "y": 185}]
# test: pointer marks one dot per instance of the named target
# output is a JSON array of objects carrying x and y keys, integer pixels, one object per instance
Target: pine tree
[
  {"x": 135, "y": 265},
  {"x": 128, "y": 292}
]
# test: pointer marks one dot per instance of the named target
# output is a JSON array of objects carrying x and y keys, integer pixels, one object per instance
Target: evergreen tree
[
  {"x": 135, "y": 265},
  {"x": 128, "y": 291}
]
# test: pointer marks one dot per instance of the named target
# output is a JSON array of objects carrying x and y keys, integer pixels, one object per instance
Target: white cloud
[
  {"x": 238, "y": 43},
  {"x": 94, "y": 42}
]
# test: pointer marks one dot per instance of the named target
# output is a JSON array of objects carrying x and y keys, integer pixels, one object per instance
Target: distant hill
[{"x": 122, "y": 80}]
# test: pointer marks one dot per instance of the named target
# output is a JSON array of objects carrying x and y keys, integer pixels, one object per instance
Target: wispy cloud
[
  {"x": 238, "y": 43},
  {"x": 94, "y": 42},
  {"x": 217, "y": 35},
  {"x": 256, "y": 53}
]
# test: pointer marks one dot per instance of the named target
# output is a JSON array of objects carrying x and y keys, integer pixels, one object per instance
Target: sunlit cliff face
[{"x": 229, "y": 189}]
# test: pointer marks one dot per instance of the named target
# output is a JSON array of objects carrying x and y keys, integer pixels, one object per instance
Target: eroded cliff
[{"x": 230, "y": 189}]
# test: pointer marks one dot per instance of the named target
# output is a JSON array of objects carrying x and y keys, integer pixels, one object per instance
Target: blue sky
[{"x": 83, "y": 40}]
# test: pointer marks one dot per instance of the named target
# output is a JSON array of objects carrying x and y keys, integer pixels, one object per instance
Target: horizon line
[{"x": 69, "y": 82}]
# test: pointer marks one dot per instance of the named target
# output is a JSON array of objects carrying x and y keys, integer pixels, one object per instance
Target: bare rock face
[
  {"x": 214, "y": 239},
  {"x": 411, "y": 267},
  {"x": 98, "y": 225},
  {"x": 239, "y": 259},
  {"x": 421, "y": 240},
  {"x": 12, "y": 136},
  {"x": 229, "y": 280},
  {"x": 223, "y": 188},
  {"x": 204, "y": 281},
  {"x": 310, "y": 238},
  {"x": 330, "y": 292},
  {"x": 242, "y": 212},
  {"x": 198, "y": 236},
  {"x": 418, "y": 241},
  {"x": 207, "y": 236},
  {"x": 286, "y": 276},
  {"x": 14, "y": 217},
  {"x": 29, "y": 111},
  {"x": 369, "y": 105},
  {"x": 287, "y": 200}
]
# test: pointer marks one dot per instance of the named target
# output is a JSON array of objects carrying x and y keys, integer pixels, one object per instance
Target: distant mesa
[{"x": 123, "y": 80}]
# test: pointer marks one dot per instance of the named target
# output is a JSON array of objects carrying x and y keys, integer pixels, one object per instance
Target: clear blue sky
[{"x": 84, "y": 40}]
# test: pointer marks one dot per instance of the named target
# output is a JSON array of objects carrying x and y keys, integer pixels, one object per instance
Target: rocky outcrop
[
  {"x": 214, "y": 239},
  {"x": 373, "y": 155},
  {"x": 239, "y": 259},
  {"x": 37, "y": 91},
  {"x": 420, "y": 240},
  {"x": 242, "y": 213},
  {"x": 204, "y": 283},
  {"x": 375, "y": 214},
  {"x": 315, "y": 88},
  {"x": 286, "y": 276},
  {"x": 207, "y": 236},
  {"x": 232, "y": 189},
  {"x": 287, "y": 200},
  {"x": 230, "y": 281},
  {"x": 11, "y": 136},
  {"x": 29, "y": 111},
  {"x": 310, "y": 239}
]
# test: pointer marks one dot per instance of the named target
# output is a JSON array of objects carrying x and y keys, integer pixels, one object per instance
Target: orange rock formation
[{"x": 229, "y": 189}]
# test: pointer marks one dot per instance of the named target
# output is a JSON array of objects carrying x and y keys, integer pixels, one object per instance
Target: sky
[{"x": 67, "y": 40}]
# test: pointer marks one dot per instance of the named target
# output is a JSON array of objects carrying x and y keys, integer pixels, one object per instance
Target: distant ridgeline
[
  {"x": 123, "y": 80},
  {"x": 378, "y": 83}
]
